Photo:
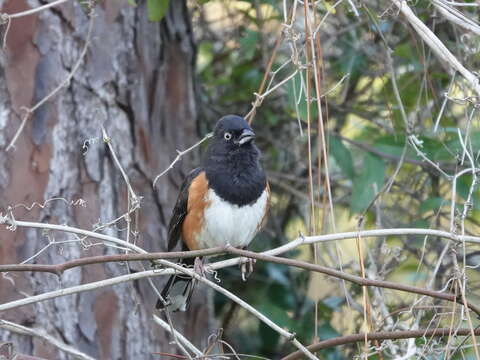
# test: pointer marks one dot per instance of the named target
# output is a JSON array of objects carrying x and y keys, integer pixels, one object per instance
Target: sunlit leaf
[
  {"x": 372, "y": 172},
  {"x": 342, "y": 156},
  {"x": 248, "y": 44},
  {"x": 430, "y": 204}
]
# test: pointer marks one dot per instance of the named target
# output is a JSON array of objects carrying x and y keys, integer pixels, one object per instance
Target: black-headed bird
[{"x": 224, "y": 201}]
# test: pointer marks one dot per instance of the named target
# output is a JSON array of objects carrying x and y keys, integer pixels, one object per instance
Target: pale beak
[{"x": 247, "y": 135}]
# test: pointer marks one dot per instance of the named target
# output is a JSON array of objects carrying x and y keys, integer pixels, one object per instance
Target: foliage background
[{"x": 366, "y": 137}]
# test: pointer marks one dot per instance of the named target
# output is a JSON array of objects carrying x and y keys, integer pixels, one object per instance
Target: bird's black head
[
  {"x": 232, "y": 163},
  {"x": 232, "y": 132}
]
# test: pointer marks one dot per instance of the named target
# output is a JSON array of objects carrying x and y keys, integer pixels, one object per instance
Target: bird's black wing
[{"x": 180, "y": 210}]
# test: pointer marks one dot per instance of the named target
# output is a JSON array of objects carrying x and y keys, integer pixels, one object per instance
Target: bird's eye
[{"x": 227, "y": 136}]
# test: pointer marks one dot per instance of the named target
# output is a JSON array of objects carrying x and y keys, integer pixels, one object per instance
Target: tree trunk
[{"x": 137, "y": 79}]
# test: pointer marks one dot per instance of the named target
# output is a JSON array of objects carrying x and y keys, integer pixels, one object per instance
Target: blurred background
[{"x": 362, "y": 126}]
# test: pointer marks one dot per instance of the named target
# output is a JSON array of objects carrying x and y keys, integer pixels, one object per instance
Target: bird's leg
[
  {"x": 246, "y": 267},
  {"x": 198, "y": 266}
]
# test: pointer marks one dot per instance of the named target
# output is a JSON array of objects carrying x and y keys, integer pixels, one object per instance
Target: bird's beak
[{"x": 247, "y": 135}]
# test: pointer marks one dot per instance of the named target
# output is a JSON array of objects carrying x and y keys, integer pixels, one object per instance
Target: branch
[
  {"x": 35, "y": 10},
  {"x": 382, "y": 335},
  {"x": 165, "y": 326},
  {"x": 60, "y": 268},
  {"x": 455, "y": 16},
  {"x": 288, "y": 335},
  {"x": 179, "y": 156},
  {"x": 65, "y": 82},
  {"x": 13, "y": 224},
  {"x": 251, "y": 114},
  {"x": 150, "y": 273},
  {"x": 23, "y": 330},
  {"x": 436, "y": 45},
  {"x": 305, "y": 265},
  {"x": 353, "y": 278},
  {"x": 307, "y": 240},
  {"x": 244, "y": 253}
]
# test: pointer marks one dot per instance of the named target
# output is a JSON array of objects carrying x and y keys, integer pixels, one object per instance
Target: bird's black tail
[{"x": 177, "y": 292}]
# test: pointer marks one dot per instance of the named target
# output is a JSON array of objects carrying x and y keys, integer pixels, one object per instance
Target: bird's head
[{"x": 233, "y": 132}]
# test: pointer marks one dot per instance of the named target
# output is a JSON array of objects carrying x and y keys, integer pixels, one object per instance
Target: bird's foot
[{"x": 246, "y": 267}]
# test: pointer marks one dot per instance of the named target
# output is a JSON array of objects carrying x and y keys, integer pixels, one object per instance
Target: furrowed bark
[{"x": 137, "y": 81}]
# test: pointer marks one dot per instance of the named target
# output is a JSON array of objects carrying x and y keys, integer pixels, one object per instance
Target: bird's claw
[{"x": 246, "y": 267}]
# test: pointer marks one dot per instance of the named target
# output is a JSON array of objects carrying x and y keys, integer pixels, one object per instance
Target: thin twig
[
  {"x": 107, "y": 140},
  {"x": 36, "y": 10},
  {"x": 179, "y": 336},
  {"x": 65, "y": 82},
  {"x": 179, "y": 156}
]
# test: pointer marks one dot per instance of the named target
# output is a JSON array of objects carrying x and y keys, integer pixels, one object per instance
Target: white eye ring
[{"x": 227, "y": 136}]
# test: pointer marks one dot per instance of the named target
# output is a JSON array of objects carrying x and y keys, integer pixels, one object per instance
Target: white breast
[{"x": 225, "y": 223}]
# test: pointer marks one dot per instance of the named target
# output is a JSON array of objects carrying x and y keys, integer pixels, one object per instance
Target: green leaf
[
  {"x": 390, "y": 144},
  {"x": 334, "y": 302},
  {"x": 373, "y": 172},
  {"x": 132, "y": 3},
  {"x": 326, "y": 331},
  {"x": 293, "y": 92},
  {"x": 342, "y": 156},
  {"x": 433, "y": 203},
  {"x": 248, "y": 44},
  {"x": 329, "y": 8},
  {"x": 276, "y": 313},
  {"x": 157, "y": 9},
  {"x": 269, "y": 338}
]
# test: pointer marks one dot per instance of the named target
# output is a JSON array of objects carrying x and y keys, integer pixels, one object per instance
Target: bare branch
[
  {"x": 381, "y": 335},
  {"x": 353, "y": 278},
  {"x": 60, "y": 268},
  {"x": 436, "y": 45},
  {"x": 41, "y": 334},
  {"x": 37, "y": 9},
  {"x": 178, "y": 335},
  {"x": 179, "y": 156},
  {"x": 244, "y": 253},
  {"x": 456, "y": 16},
  {"x": 64, "y": 83}
]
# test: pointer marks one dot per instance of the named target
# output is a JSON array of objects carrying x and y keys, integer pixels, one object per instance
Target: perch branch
[
  {"x": 353, "y": 278},
  {"x": 244, "y": 253},
  {"x": 60, "y": 268},
  {"x": 143, "y": 255}
]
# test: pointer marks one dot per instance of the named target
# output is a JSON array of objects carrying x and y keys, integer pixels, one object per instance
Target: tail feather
[{"x": 177, "y": 293}]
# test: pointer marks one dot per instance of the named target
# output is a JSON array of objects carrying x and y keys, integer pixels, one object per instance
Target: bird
[{"x": 225, "y": 201}]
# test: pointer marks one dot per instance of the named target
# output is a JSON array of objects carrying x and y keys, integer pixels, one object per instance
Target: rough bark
[{"x": 136, "y": 80}]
